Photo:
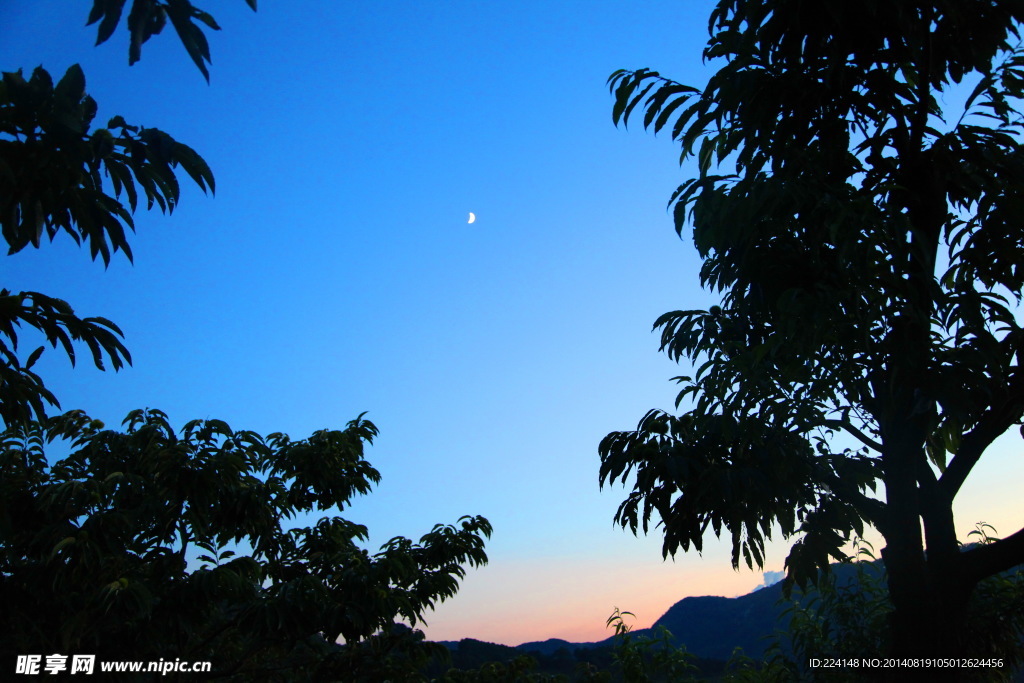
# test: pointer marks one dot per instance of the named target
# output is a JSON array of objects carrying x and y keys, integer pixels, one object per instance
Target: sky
[{"x": 334, "y": 272}]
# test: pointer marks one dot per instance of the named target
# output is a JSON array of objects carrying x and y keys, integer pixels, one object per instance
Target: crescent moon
[{"x": 472, "y": 216}]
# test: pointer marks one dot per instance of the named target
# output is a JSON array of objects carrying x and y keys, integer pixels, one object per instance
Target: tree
[
  {"x": 59, "y": 176},
  {"x": 868, "y": 251},
  {"x": 98, "y": 549},
  {"x": 126, "y": 549},
  {"x": 52, "y": 170},
  {"x": 649, "y": 658},
  {"x": 843, "y": 618}
]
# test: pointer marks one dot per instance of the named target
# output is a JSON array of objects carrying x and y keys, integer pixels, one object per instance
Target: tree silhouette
[
  {"x": 869, "y": 252},
  {"x": 147, "y": 545},
  {"x": 58, "y": 175}
]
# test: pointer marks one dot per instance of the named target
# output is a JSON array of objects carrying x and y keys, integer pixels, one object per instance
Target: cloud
[{"x": 772, "y": 578}]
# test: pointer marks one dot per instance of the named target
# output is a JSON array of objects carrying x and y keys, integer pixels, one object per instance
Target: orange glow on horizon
[{"x": 517, "y": 601}]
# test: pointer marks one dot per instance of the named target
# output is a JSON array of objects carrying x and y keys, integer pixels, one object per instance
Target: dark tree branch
[
  {"x": 987, "y": 560},
  {"x": 993, "y": 423},
  {"x": 848, "y": 427}
]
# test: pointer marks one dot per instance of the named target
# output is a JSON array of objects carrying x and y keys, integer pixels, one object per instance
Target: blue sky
[{"x": 335, "y": 272}]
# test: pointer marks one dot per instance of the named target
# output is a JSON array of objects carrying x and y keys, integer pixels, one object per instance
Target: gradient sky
[{"x": 335, "y": 273}]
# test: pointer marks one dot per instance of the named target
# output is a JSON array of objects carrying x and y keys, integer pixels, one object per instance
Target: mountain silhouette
[{"x": 712, "y": 627}]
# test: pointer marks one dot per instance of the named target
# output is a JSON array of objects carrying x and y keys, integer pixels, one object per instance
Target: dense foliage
[
  {"x": 866, "y": 244},
  {"x": 127, "y": 548}
]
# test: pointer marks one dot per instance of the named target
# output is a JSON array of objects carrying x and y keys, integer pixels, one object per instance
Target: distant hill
[{"x": 712, "y": 627}]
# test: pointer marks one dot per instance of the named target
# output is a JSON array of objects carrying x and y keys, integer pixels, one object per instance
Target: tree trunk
[
  {"x": 929, "y": 615},
  {"x": 928, "y": 591}
]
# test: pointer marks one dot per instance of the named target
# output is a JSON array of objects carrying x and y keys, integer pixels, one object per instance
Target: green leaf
[
  {"x": 180, "y": 13},
  {"x": 110, "y": 13},
  {"x": 205, "y": 18},
  {"x": 33, "y": 357},
  {"x": 63, "y": 543},
  {"x": 72, "y": 85}
]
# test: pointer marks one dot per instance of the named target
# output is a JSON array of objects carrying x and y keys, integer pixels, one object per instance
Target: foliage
[
  {"x": 144, "y": 542},
  {"x": 481, "y": 662},
  {"x": 867, "y": 248},
  {"x": 148, "y": 18},
  {"x": 995, "y": 620},
  {"x": 848, "y": 619},
  {"x": 53, "y": 167},
  {"x": 518, "y": 670},
  {"x": 742, "y": 669},
  {"x": 59, "y": 175},
  {"x": 647, "y": 658},
  {"x": 52, "y": 181},
  {"x": 22, "y": 392},
  {"x": 837, "y": 620}
]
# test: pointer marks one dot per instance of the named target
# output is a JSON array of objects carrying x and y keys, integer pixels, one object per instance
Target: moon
[{"x": 472, "y": 216}]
